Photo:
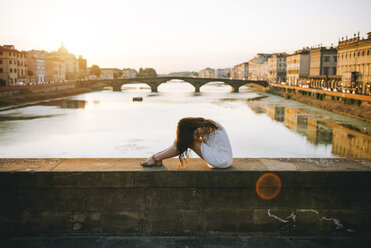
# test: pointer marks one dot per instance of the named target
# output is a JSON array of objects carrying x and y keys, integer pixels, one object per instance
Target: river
[{"x": 107, "y": 124}]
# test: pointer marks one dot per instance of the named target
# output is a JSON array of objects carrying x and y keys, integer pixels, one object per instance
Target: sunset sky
[{"x": 175, "y": 35}]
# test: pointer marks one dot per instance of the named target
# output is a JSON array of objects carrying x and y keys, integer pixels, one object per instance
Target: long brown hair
[{"x": 185, "y": 133}]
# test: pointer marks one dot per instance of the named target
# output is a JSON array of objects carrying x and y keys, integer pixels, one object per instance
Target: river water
[{"x": 107, "y": 124}]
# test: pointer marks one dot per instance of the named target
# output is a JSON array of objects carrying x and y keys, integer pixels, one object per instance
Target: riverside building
[
  {"x": 55, "y": 69},
  {"x": 263, "y": 71},
  {"x": 13, "y": 66},
  {"x": 36, "y": 65},
  {"x": 277, "y": 68},
  {"x": 240, "y": 71},
  {"x": 207, "y": 73},
  {"x": 82, "y": 67},
  {"x": 129, "y": 73},
  {"x": 298, "y": 66},
  {"x": 354, "y": 64},
  {"x": 323, "y": 61},
  {"x": 223, "y": 73},
  {"x": 108, "y": 73},
  {"x": 72, "y": 71},
  {"x": 322, "y": 73},
  {"x": 254, "y": 65}
]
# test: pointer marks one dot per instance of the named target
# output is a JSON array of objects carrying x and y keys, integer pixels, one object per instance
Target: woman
[{"x": 205, "y": 137}]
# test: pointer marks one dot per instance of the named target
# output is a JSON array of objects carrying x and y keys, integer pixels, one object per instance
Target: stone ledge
[
  {"x": 196, "y": 164},
  {"x": 119, "y": 197}
]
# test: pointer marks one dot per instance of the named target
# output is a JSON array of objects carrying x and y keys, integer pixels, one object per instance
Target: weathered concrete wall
[
  {"x": 118, "y": 197},
  {"x": 29, "y": 89},
  {"x": 53, "y": 88}
]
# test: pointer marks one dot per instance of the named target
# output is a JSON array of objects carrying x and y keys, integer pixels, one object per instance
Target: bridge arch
[
  {"x": 216, "y": 82},
  {"x": 117, "y": 84},
  {"x": 196, "y": 82},
  {"x": 172, "y": 84}
]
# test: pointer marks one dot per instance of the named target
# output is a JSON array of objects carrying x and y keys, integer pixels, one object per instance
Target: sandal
[{"x": 157, "y": 163}]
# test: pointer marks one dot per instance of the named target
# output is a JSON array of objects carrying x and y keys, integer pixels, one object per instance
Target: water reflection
[
  {"x": 110, "y": 124},
  {"x": 347, "y": 140},
  {"x": 23, "y": 117},
  {"x": 67, "y": 103}
]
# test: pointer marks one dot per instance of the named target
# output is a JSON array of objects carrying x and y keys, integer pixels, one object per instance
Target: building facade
[
  {"x": 71, "y": 63},
  {"x": 36, "y": 65},
  {"x": 13, "y": 66},
  {"x": 223, "y": 73},
  {"x": 240, "y": 71},
  {"x": 277, "y": 68},
  {"x": 262, "y": 71},
  {"x": 108, "y": 73},
  {"x": 354, "y": 64},
  {"x": 82, "y": 67},
  {"x": 298, "y": 66},
  {"x": 207, "y": 73},
  {"x": 323, "y": 61},
  {"x": 129, "y": 73},
  {"x": 254, "y": 65},
  {"x": 55, "y": 69}
]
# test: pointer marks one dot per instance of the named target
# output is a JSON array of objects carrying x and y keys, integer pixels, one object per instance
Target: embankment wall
[{"x": 118, "y": 197}]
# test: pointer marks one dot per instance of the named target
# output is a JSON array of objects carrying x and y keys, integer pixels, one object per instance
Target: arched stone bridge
[{"x": 155, "y": 82}]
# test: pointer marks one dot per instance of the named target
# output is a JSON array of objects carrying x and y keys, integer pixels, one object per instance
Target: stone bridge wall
[
  {"x": 196, "y": 82},
  {"x": 118, "y": 197}
]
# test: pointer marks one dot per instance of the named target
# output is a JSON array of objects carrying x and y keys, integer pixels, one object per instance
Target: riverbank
[
  {"x": 33, "y": 97},
  {"x": 362, "y": 111}
]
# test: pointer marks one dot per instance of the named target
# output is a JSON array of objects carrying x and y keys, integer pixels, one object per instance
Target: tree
[
  {"x": 95, "y": 70},
  {"x": 147, "y": 72},
  {"x": 130, "y": 69},
  {"x": 117, "y": 74}
]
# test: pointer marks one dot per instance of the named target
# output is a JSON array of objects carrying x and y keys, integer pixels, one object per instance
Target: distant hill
[{"x": 183, "y": 74}]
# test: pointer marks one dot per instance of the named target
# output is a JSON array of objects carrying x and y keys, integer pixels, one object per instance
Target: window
[
  {"x": 1, "y": 61},
  {"x": 333, "y": 70},
  {"x": 325, "y": 70},
  {"x": 11, "y": 70},
  {"x": 368, "y": 52},
  {"x": 15, "y": 70},
  {"x": 10, "y": 62},
  {"x": 1, "y": 70},
  {"x": 327, "y": 58},
  {"x": 335, "y": 58},
  {"x": 363, "y": 53},
  {"x": 1, "y": 53},
  {"x": 358, "y": 54}
]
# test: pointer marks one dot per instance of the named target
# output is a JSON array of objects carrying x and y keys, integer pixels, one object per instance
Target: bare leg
[
  {"x": 172, "y": 151},
  {"x": 196, "y": 147},
  {"x": 169, "y": 152}
]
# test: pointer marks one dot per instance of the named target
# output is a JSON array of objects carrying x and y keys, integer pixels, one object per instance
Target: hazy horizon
[{"x": 178, "y": 35}]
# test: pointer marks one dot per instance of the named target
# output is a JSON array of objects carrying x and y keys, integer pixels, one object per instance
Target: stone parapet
[{"x": 82, "y": 197}]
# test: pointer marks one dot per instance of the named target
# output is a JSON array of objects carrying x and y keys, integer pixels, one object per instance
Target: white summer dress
[{"x": 216, "y": 149}]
